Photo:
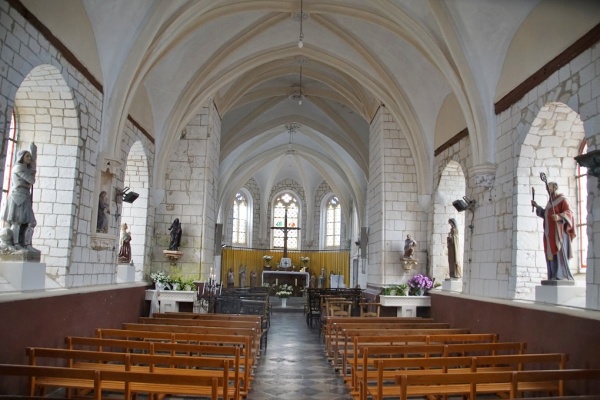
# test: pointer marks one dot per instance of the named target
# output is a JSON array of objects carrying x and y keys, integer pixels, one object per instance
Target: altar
[
  {"x": 170, "y": 300},
  {"x": 298, "y": 280}
]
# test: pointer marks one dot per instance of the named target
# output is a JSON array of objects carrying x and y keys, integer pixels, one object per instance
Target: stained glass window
[
  {"x": 333, "y": 223},
  {"x": 286, "y": 203},
  {"x": 240, "y": 220}
]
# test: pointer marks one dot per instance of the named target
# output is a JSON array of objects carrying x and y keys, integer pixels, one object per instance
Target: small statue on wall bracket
[{"x": 176, "y": 232}]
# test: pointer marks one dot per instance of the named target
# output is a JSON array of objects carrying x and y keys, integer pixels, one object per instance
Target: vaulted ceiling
[{"x": 437, "y": 66}]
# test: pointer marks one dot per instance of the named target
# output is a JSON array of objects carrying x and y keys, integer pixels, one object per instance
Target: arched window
[
  {"x": 333, "y": 222},
  {"x": 581, "y": 222},
  {"x": 286, "y": 208},
  {"x": 11, "y": 148},
  {"x": 242, "y": 208}
]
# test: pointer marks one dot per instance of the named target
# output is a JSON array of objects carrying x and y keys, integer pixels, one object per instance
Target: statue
[
  {"x": 313, "y": 281},
  {"x": 322, "y": 278},
  {"x": 409, "y": 247},
  {"x": 559, "y": 231},
  {"x": 17, "y": 210},
  {"x": 103, "y": 209},
  {"x": 454, "y": 251},
  {"x": 253, "y": 279},
  {"x": 230, "y": 278},
  {"x": 242, "y": 276},
  {"x": 175, "y": 235},
  {"x": 6, "y": 240},
  {"x": 125, "y": 241}
]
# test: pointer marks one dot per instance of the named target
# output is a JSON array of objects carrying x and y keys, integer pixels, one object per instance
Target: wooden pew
[
  {"x": 363, "y": 360},
  {"x": 243, "y": 342},
  {"x": 473, "y": 383},
  {"x": 253, "y": 333},
  {"x": 388, "y": 369},
  {"x": 200, "y": 367},
  {"x": 342, "y": 346},
  {"x": 157, "y": 348},
  {"x": 352, "y": 352}
]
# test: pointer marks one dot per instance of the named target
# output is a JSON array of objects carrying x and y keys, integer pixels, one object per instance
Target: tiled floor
[{"x": 294, "y": 365}]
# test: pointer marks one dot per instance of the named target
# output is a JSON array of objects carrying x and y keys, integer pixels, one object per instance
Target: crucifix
[{"x": 285, "y": 230}]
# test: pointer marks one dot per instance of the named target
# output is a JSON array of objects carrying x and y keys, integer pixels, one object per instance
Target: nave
[{"x": 294, "y": 366}]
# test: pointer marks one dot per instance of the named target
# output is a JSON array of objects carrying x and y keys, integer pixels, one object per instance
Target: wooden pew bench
[
  {"x": 363, "y": 360},
  {"x": 252, "y": 333},
  {"x": 351, "y": 353},
  {"x": 143, "y": 363},
  {"x": 379, "y": 385},
  {"x": 344, "y": 341},
  {"x": 130, "y": 383},
  {"x": 165, "y": 348},
  {"x": 247, "y": 356},
  {"x": 513, "y": 384}
]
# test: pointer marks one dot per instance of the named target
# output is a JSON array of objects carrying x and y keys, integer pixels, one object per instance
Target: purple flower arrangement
[{"x": 419, "y": 284}]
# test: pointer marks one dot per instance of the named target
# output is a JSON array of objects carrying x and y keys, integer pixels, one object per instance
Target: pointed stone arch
[
  {"x": 452, "y": 186},
  {"x": 547, "y": 144},
  {"x": 135, "y": 214},
  {"x": 48, "y": 115}
]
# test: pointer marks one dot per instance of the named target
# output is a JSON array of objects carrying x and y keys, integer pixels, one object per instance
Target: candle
[
  {"x": 296, "y": 282},
  {"x": 276, "y": 281},
  {"x": 203, "y": 286}
]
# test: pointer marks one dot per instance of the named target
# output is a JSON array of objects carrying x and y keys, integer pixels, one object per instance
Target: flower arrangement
[
  {"x": 419, "y": 284},
  {"x": 397, "y": 290},
  {"x": 285, "y": 291},
  {"x": 304, "y": 259},
  {"x": 160, "y": 277},
  {"x": 268, "y": 257}
]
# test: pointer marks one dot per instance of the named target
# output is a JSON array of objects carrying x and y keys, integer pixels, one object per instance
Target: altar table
[
  {"x": 169, "y": 299},
  {"x": 298, "y": 280}
]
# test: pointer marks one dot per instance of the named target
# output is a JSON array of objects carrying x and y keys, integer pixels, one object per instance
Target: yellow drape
[{"x": 337, "y": 262}]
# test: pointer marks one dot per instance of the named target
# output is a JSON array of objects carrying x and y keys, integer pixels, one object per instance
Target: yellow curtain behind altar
[{"x": 336, "y": 262}]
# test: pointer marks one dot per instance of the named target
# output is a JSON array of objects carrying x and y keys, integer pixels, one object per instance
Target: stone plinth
[
  {"x": 452, "y": 285},
  {"x": 558, "y": 292},
  {"x": 406, "y": 306},
  {"x": 125, "y": 273},
  {"x": 24, "y": 275}
]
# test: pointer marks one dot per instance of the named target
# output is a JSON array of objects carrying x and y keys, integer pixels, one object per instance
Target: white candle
[
  {"x": 203, "y": 286},
  {"x": 276, "y": 281},
  {"x": 296, "y": 282}
]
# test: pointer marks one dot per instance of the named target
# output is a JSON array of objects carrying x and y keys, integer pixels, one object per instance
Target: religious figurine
[
  {"x": 409, "y": 247},
  {"x": 454, "y": 251},
  {"x": 17, "y": 210},
  {"x": 322, "y": 278},
  {"x": 253, "y": 279},
  {"x": 175, "y": 235},
  {"x": 6, "y": 240},
  {"x": 125, "y": 241},
  {"x": 230, "y": 278},
  {"x": 559, "y": 231},
  {"x": 313, "y": 281},
  {"x": 242, "y": 276},
  {"x": 103, "y": 209}
]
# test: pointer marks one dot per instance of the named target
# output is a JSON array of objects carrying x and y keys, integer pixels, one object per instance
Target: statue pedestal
[
  {"x": 452, "y": 285},
  {"x": 557, "y": 292},
  {"x": 24, "y": 275},
  {"x": 408, "y": 263},
  {"x": 125, "y": 273},
  {"x": 172, "y": 255}
]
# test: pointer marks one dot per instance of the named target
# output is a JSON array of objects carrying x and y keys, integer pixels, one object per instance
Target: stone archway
[
  {"x": 452, "y": 186},
  {"x": 48, "y": 115},
  {"x": 549, "y": 146}
]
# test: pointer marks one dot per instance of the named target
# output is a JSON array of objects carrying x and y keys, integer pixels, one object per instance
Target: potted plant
[
  {"x": 419, "y": 284},
  {"x": 397, "y": 290},
  {"x": 283, "y": 293},
  {"x": 161, "y": 280}
]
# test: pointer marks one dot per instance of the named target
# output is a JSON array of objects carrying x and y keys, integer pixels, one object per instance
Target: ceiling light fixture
[
  {"x": 301, "y": 95},
  {"x": 292, "y": 128},
  {"x": 300, "y": 43}
]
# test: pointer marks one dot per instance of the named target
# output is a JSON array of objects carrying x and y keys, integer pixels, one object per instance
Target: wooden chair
[
  {"x": 369, "y": 309},
  {"x": 313, "y": 312},
  {"x": 341, "y": 308}
]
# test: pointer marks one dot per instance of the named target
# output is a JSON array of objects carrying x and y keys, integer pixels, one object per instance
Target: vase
[
  {"x": 159, "y": 286},
  {"x": 420, "y": 292},
  {"x": 283, "y": 302}
]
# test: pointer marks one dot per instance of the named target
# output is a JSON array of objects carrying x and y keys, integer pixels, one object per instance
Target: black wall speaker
[{"x": 364, "y": 240}]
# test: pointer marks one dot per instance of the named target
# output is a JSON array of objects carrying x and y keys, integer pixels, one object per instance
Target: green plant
[{"x": 396, "y": 290}]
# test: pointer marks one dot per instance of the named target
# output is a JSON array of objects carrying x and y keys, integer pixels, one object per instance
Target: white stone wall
[
  {"x": 577, "y": 85},
  {"x": 395, "y": 177},
  {"x": 192, "y": 181}
]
